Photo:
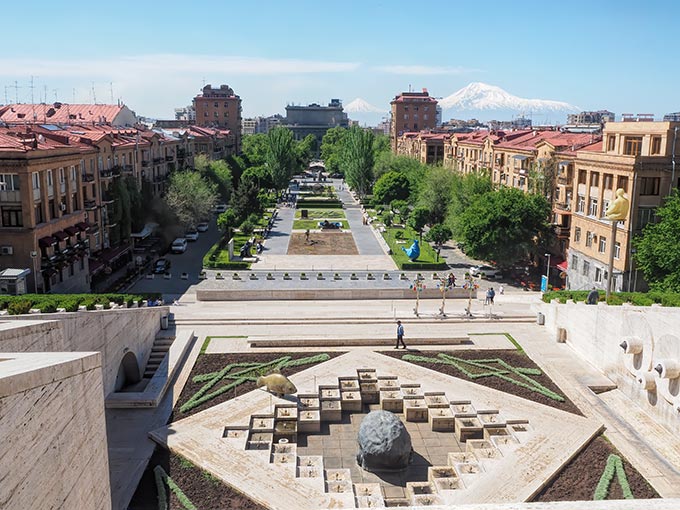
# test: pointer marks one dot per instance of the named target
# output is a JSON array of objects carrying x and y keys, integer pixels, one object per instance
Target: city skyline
[{"x": 597, "y": 56}]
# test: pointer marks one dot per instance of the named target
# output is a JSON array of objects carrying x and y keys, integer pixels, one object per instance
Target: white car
[
  {"x": 191, "y": 235},
  {"x": 203, "y": 226},
  {"x": 485, "y": 272},
  {"x": 220, "y": 208},
  {"x": 179, "y": 245}
]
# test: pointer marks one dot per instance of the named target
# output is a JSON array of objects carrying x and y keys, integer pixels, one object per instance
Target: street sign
[{"x": 544, "y": 283}]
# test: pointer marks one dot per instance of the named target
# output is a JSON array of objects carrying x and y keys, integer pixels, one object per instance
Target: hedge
[
  {"x": 617, "y": 298},
  {"x": 319, "y": 204},
  {"x": 48, "y": 303}
]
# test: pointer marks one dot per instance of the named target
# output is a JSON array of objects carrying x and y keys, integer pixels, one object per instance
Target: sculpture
[
  {"x": 618, "y": 209},
  {"x": 413, "y": 252},
  {"x": 276, "y": 383},
  {"x": 384, "y": 443}
]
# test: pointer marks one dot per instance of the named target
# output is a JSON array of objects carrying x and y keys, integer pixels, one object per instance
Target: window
[
  {"x": 73, "y": 173},
  {"x": 632, "y": 145},
  {"x": 598, "y": 275},
  {"x": 594, "y": 179},
  {"x": 574, "y": 262},
  {"x": 226, "y": 104},
  {"x": 100, "y": 163},
  {"x": 623, "y": 183},
  {"x": 11, "y": 217},
  {"x": 62, "y": 177},
  {"x": 582, "y": 176},
  {"x": 38, "y": 213},
  {"x": 53, "y": 211},
  {"x": 74, "y": 202},
  {"x": 577, "y": 234},
  {"x": 602, "y": 245},
  {"x": 646, "y": 215},
  {"x": 406, "y": 116},
  {"x": 605, "y": 206},
  {"x": 649, "y": 185},
  {"x": 611, "y": 143},
  {"x": 226, "y": 115},
  {"x": 426, "y": 108},
  {"x": 608, "y": 181},
  {"x": 205, "y": 114},
  {"x": 586, "y": 268},
  {"x": 425, "y": 117},
  {"x": 580, "y": 203},
  {"x": 215, "y": 114},
  {"x": 49, "y": 178},
  {"x": 9, "y": 182},
  {"x": 592, "y": 207},
  {"x": 216, "y": 104},
  {"x": 656, "y": 145},
  {"x": 589, "y": 239},
  {"x": 617, "y": 250}
]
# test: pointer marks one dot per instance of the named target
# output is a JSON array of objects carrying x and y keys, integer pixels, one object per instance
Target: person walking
[
  {"x": 400, "y": 335},
  {"x": 490, "y": 294}
]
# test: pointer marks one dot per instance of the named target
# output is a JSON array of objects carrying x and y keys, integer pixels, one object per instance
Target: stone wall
[
  {"x": 652, "y": 338},
  {"x": 110, "y": 332},
  {"x": 53, "y": 452}
]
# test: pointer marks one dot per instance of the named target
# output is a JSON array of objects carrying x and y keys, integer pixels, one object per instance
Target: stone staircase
[{"x": 160, "y": 348}]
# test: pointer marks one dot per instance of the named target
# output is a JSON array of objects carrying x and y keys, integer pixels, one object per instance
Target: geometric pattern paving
[{"x": 501, "y": 448}]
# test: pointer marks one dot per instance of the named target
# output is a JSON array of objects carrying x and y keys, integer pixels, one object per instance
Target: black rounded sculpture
[{"x": 384, "y": 443}]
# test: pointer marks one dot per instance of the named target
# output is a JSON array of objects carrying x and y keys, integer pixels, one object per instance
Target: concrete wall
[
  {"x": 653, "y": 333},
  {"x": 110, "y": 332},
  {"x": 322, "y": 294},
  {"x": 53, "y": 452}
]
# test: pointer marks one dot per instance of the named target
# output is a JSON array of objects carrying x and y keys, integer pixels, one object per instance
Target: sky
[{"x": 619, "y": 55}]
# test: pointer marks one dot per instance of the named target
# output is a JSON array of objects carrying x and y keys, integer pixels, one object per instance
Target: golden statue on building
[{"x": 618, "y": 209}]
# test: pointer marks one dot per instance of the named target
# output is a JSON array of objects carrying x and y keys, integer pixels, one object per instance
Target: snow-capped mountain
[
  {"x": 361, "y": 106},
  {"x": 480, "y": 96}
]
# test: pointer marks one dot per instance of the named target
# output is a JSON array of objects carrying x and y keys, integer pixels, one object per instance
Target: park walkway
[
  {"x": 279, "y": 237},
  {"x": 364, "y": 237}
]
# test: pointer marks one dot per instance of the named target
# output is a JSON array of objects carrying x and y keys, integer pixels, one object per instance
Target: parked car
[
  {"x": 179, "y": 245},
  {"x": 220, "y": 208},
  {"x": 203, "y": 226},
  {"x": 191, "y": 235},
  {"x": 485, "y": 272},
  {"x": 161, "y": 266}
]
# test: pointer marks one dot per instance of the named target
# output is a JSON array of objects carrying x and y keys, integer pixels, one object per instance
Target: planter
[
  {"x": 218, "y": 276},
  {"x": 184, "y": 276},
  {"x": 319, "y": 276},
  {"x": 353, "y": 277},
  {"x": 303, "y": 276},
  {"x": 386, "y": 276},
  {"x": 286, "y": 276},
  {"x": 167, "y": 276},
  {"x": 201, "y": 275},
  {"x": 336, "y": 276},
  {"x": 269, "y": 276},
  {"x": 402, "y": 276},
  {"x": 253, "y": 276},
  {"x": 435, "y": 276},
  {"x": 369, "y": 276}
]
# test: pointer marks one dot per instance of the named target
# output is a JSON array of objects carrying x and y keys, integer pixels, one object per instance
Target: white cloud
[
  {"x": 166, "y": 64},
  {"x": 425, "y": 70}
]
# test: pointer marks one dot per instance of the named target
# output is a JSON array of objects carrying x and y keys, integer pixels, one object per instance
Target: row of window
[
  {"x": 602, "y": 242},
  {"x": 415, "y": 116},
  {"x": 632, "y": 145},
  {"x": 600, "y": 273}
]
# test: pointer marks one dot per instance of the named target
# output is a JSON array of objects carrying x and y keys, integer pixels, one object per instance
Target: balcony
[
  {"x": 561, "y": 179},
  {"x": 88, "y": 177},
  {"x": 157, "y": 161},
  {"x": 90, "y": 205},
  {"x": 563, "y": 206},
  {"x": 169, "y": 158},
  {"x": 561, "y": 231},
  {"x": 145, "y": 163},
  {"x": 127, "y": 169},
  {"x": 107, "y": 198}
]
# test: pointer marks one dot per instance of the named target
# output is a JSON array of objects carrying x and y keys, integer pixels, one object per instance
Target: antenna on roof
[
  {"x": 16, "y": 92},
  {"x": 94, "y": 95},
  {"x": 6, "y": 101},
  {"x": 111, "y": 88},
  {"x": 73, "y": 101}
]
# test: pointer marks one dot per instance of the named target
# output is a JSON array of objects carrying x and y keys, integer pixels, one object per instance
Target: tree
[
  {"x": 413, "y": 169},
  {"x": 245, "y": 201},
  {"x": 466, "y": 189},
  {"x": 254, "y": 149},
  {"x": 401, "y": 208},
  {"x": 418, "y": 219},
  {"x": 435, "y": 193},
  {"x": 305, "y": 150},
  {"x": 191, "y": 197},
  {"x": 658, "y": 249},
  {"x": 542, "y": 178},
  {"x": 438, "y": 234},
  {"x": 136, "y": 204},
  {"x": 504, "y": 226},
  {"x": 331, "y": 149},
  {"x": 201, "y": 163},
  {"x": 227, "y": 221},
  {"x": 280, "y": 157},
  {"x": 219, "y": 173},
  {"x": 357, "y": 159},
  {"x": 391, "y": 186}
]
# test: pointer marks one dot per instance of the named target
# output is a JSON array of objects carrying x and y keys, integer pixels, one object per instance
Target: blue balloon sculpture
[{"x": 413, "y": 252}]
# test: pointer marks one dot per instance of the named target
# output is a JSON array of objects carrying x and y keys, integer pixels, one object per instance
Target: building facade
[
  {"x": 412, "y": 112},
  {"x": 315, "y": 119},
  {"x": 220, "y": 108}
]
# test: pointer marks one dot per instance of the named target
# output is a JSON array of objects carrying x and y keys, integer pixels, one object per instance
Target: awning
[
  {"x": 145, "y": 232},
  {"x": 111, "y": 255},
  {"x": 562, "y": 266},
  {"x": 71, "y": 231},
  {"x": 61, "y": 235},
  {"x": 47, "y": 241},
  {"x": 83, "y": 226},
  {"x": 519, "y": 157},
  {"x": 95, "y": 266}
]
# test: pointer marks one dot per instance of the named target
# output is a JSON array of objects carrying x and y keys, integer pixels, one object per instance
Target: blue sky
[{"x": 618, "y": 55}]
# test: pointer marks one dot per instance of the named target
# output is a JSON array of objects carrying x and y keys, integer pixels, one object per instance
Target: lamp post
[
  {"x": 547, "y": 270},
  {"x": 34, "y": 258},
  {"x": 417, "y": 287}
]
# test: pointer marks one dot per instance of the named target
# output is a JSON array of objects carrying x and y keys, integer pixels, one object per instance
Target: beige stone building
[{"x": 637, "y": 157}]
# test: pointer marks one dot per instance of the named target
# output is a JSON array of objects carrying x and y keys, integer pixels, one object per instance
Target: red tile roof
[{"x": 64, "y": 114}]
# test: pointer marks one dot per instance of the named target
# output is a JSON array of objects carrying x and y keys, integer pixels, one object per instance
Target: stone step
[{"x": 272, "y": 341}]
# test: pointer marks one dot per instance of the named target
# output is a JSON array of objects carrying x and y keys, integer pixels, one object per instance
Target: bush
[
  {"x": 399, "y": 234},
  {"x": 617, "y": 298},
  {"x": 19, "y": 307}
]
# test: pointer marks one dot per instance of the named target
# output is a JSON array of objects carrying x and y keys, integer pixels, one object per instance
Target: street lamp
[
  {"x": 34, "y": 257},
  {"x": 547, "y": 271},
  {"x": 545, "y": 279}
]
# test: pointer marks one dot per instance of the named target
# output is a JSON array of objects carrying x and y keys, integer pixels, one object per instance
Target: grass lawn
[
  {"x": 314, "y": 224},
  {"x": 427, "y": 259},
  {"x": 321, "y": 213}
]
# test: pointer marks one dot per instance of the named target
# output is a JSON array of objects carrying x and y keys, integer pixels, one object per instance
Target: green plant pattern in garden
[
  {"x": 236, "y": 374},
  {"x": 162, "y": 479},
  {"x": 613, "y": 467},
  {"x": 493, "y": 367}
]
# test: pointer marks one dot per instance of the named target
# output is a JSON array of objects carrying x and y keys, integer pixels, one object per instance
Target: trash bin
[
  {"x": 164, "y": 321},
  {"x": 540, "y": 319}
]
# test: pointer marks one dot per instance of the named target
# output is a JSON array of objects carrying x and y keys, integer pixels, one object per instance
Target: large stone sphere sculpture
[{"x": 384, "y": 443}]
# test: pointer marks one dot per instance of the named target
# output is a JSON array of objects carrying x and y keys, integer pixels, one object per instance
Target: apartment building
[
  {"x": 117, "y": 115},
  {"x": 412, "y": 112},
  {"x": 425, "y": 147},
  {"x": 220, "y": 108},
  {"x": 315, "y": 119},
  {"x": 637, "y": 157}
]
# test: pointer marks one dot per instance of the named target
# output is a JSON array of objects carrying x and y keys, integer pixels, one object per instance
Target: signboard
[{"x": 544, "y": 283}]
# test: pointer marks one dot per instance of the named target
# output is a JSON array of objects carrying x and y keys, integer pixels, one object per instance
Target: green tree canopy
[
  {"x": 438, "y": 234},
  {"x": 418, "y": 219},
  {"x": 435, "y": 192},
  {"x": 305, "y": 150},
  {"x": 331, "y": 148},
  {"x": 658, "y": 249},
  {"x": 466, "y": 189},
  {"x": 504, "y": 225},
  {"x": 358, "y": 158},
  {"x": 244, "y": 201},
  {"x": 280, "y": 157},
  {"x": 219, "y": 173},
  {"x": 191, "y": 197},
  {"x": 391, "y": 186},
  {"x": 254, "y": 149},
  {"x": 413, "y": 169}
]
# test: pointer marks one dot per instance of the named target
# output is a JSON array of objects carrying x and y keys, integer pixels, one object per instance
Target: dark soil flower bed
[
  {"x": 511, "y": 357},
  {"x": 578, "y": 480},
  {"x": 207, "y": 363},
  {"x": 203, "y": 490}
]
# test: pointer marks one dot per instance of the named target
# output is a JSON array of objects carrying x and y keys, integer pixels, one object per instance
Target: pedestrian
[
  {"x": 593, "y": 297},
  {"x": 490, "y": 294},
  {"x": 501, "y": 289},
  {"x": 400, "y": 335},
  {"x": 307, "y": 235}
]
